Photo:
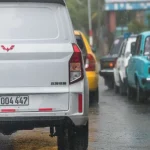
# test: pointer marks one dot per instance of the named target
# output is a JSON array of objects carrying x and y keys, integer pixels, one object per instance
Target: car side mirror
[{"x": 133, "y": 48}]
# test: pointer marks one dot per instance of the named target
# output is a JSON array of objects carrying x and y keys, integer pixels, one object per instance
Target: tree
[
  {"x": 136, "y": 27},
  {"x": 79, "y": 14}
]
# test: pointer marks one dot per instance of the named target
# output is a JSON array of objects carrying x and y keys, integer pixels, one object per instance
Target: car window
[
  {"x": 147, "y": 46},
  {"x": 81, "y": 45},
  {"x": 124, "y": 48},
  {"x": 129, "y": 43},
  {"x": 116, "y": 46},
  {"x": 121, "y": 49}
]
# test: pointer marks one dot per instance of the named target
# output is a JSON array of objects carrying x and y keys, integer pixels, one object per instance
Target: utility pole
[{"x": 90, "y": 24}]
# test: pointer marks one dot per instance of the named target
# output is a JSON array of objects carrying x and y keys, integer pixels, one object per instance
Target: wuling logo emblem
[{"x": 7, "y": 48}]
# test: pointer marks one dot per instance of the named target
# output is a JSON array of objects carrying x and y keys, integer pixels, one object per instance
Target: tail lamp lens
[
  {"x": 75, "y": 65},
  {"x": 90, "y": 63}
]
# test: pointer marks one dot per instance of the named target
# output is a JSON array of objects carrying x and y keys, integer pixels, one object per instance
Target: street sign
[
  {"x": 122, "y": 5},
  {"x": 122, "y": 1}
]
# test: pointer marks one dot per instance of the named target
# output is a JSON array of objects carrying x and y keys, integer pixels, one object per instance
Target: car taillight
[
  {"x": 75, "y": 65},
  {"x": 115, "y": 62},
  {"x": 90, "y": 63},
  {"x": 112, "y": 64}
]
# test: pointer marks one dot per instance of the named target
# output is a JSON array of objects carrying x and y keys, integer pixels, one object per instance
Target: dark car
[{"x": 107, "y": 63}]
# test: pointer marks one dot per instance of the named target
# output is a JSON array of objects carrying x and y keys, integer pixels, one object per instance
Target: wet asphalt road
[
  {"x": 115, "y": 124},
  {"x": 119, "y": 124}
]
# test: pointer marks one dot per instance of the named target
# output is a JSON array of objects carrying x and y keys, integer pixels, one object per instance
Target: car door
[
  {"x": 133, "y": 61},
  {"x": 117, "y": 67},
  {"x": 120, "y": 56},
  {"x": 122, "y": 60}
]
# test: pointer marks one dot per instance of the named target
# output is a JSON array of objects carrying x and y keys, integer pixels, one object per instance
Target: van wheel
[
  {"x": 73, "y": 138},
  {"x": 80, "y": 138},
  {"x": 64, "y": 140},
  {"x": 140, "y": 94}
]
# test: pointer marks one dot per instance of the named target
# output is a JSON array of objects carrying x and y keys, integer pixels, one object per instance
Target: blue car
[{"x": 138, "y": 70}]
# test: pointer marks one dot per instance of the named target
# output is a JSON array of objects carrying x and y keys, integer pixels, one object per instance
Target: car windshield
[
  {"x": 81, "y": 44},
  {"x": 116, "y": 46}
]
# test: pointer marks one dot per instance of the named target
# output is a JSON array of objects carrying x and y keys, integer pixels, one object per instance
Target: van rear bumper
[
  {"x": 43, "y": 121},
  {"x": 29, "y": 123}
]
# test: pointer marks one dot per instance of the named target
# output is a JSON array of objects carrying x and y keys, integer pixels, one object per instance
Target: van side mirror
[{"x": 133, "y": 48}]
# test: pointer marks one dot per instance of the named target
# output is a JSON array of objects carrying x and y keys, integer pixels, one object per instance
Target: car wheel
[
  {"x": 122, "y": 88},
  {"x": 130, "y": 93},
  {"x": 94, "y": 96},
  {"x": 116, "y": 89},
  {"x": 110, "y": 85},
  {"x": 140, "y": 94},
  {"x": 80, "y": 138}
]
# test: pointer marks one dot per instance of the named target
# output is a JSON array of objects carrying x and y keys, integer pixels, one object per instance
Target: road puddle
[{"x": 33, "y": 140}]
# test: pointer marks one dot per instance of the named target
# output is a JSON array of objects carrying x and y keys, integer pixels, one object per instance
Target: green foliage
[
  {"x": 79, "y": 13},
  {"x": 136, "y": 27}
]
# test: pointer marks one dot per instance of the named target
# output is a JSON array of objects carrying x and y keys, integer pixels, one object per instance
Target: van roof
[{"x": 36, "y": 1}]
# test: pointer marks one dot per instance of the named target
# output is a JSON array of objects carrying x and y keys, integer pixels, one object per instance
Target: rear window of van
[{"x": 34, "y": 22}]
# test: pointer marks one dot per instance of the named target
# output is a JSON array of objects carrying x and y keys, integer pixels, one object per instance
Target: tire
[
  {"x": 80, "y": 139},
  {"x": 130, "y": 93},
  {"x": 116, "y": 89},
  {"x": 75, "y": 138},
  {"x": 122, "y": 88},
  {"x": 64, "y": 141},
  {"x": 140, "y": 94},
  {"x": 94, "y": 96},
  {"x": 109, "y": 83}
]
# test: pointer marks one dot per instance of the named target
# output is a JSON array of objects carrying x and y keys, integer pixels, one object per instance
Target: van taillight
[
  {"x": 75, "y": 65},
  {"x": 90, "y": 63}
]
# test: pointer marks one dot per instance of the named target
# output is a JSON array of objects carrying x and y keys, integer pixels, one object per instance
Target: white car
[
  {"x": 121, "y": 64},
  {"x": 42, "y": 77}
]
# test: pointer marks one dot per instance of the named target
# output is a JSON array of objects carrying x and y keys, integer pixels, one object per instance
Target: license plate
[
  {"x": 14, "y": 100},
  {"x": 105, "y": 64}
]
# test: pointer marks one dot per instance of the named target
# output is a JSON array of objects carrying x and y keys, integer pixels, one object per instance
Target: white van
[{"x": 42, "y": 76}]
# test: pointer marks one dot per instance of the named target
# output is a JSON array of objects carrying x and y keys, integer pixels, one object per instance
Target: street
[{"x": 116, "y": 124}]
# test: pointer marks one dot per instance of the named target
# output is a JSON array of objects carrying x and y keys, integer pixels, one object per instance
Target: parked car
[
  {"x": 121, "y": 64},
  {"x": 138, "y": 70},
  {"x": 107, "y": 63},
  {"x": 43, "y": 80},
  {"x": 90, "y": 65}
]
